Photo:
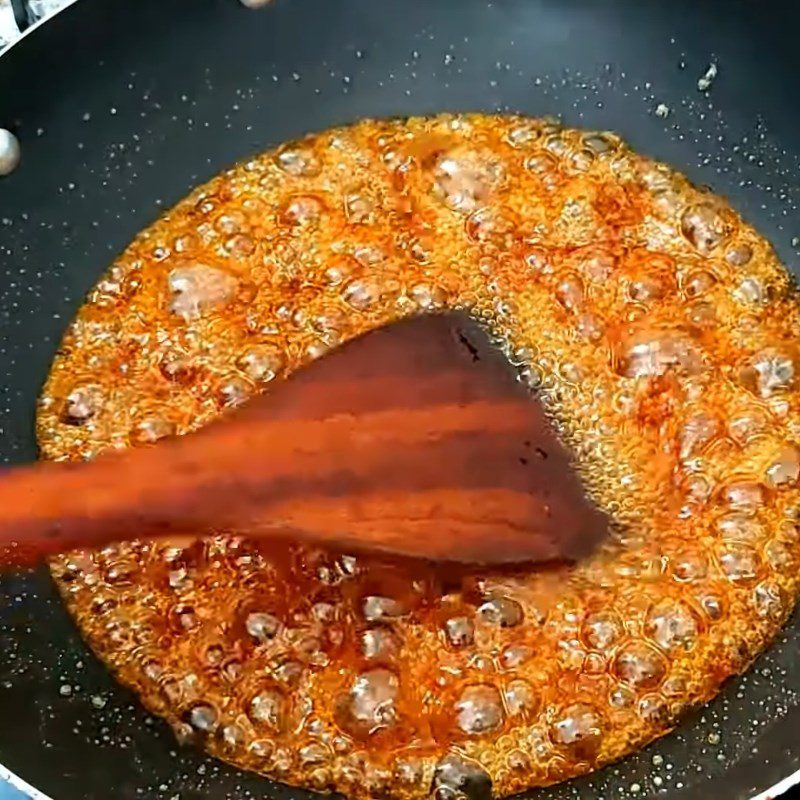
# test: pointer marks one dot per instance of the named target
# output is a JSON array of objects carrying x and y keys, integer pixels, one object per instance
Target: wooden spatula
[{"x": 415, "y": 440}]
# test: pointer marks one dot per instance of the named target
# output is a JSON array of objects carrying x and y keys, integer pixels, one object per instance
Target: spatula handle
[{"x": 372, "y": 481}]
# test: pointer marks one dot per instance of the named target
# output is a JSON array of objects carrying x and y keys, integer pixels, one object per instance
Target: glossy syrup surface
[{"x": 658, "y": 328}]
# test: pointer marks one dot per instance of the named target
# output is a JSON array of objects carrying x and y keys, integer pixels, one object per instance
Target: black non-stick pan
[{"x": 121, "y": 106}]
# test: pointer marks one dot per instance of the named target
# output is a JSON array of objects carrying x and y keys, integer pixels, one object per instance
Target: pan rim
[
  {"x": 776, "y": 790},
  {"x": 779, "y": 788},
  {"x": 13, "y": 780},
  {"x": 36, "y": 25},
  {"x": 6, "y": 775},
  {"x": 772, "y": 793}
]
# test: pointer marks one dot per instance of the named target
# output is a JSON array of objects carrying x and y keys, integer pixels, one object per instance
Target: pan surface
[{"x": 122, "y": 107}]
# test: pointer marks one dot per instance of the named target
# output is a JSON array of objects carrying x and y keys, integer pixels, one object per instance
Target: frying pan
[{"x": 122, "y": 106}]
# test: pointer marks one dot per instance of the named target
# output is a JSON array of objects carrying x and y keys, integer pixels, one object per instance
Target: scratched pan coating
[{"x": 101, "y": 159}]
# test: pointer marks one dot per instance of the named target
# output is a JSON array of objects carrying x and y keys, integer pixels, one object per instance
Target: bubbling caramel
[{"x": 657, "y": 327}]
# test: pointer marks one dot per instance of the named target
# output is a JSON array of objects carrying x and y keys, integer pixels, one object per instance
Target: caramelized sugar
[{"x": 658, "y": 328}]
